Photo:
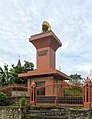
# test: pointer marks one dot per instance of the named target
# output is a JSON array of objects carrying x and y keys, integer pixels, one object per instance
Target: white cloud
[{"x": 70, "y": 21}]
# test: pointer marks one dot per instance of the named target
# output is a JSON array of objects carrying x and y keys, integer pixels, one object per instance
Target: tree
[
  {"x": 10, "y": 76},
  {"x": 28, "y": 66},
  {"x": 73, "y": 91},
  {"x": 15, "y": 70},
  {"x": 75, "y": 78},
  {"x": 2, "y": 79},
  {"x": 4, "y": 75}
]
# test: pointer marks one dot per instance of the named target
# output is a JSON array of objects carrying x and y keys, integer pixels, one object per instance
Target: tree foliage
[
  {"x": 28, "y": 66},
  {"x": 75, "y": 78},
  {"x": 74, "y": 90},
  {"x": 71, "y": 91},
  {"x": 14, "y": 71},
  {"x": 4, "y": 75},
  {"x": 3, "y": 99},
  {"x": 10, "y": 76}
]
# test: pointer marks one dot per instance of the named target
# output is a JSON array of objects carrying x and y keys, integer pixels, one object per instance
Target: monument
[{"x": 46, "y": 44}]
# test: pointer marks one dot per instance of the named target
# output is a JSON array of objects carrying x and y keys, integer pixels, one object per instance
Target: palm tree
[{"x": 75, "y": 78}]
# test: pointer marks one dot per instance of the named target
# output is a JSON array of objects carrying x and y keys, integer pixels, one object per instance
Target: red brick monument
[{"x": 46, "y": 44}]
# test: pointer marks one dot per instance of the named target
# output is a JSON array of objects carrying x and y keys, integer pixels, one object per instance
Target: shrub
[
  {"x": 28, "y": 105},
  {"x": 73, "y": 92},
  {"x": 23, "y": 101},
  {"x": 3, "y": 99}
]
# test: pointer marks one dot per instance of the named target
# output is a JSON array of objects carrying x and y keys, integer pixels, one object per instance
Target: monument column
[
  {"x": 46, "y": 45},
  {"x": 29, "y": 84}
]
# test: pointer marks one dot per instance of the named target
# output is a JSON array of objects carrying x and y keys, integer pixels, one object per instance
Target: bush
[
  {"x": 28, "y": 105},
  {"x": 3, "y": 99},
  {"x": 23, "y": 101},
  {"x": 73, "y": 92}
]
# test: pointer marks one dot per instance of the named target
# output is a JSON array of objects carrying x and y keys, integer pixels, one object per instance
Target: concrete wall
[
  {"x": 19, "y": 93},
  {"x": 10, "y": 113},
  {"x": 63, "y": 113}
]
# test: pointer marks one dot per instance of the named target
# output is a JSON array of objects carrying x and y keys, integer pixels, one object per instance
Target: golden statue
[{"x": 45, "y": 26}]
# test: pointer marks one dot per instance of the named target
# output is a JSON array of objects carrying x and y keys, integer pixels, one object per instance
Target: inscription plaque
[{"x": 42, "y": 53}]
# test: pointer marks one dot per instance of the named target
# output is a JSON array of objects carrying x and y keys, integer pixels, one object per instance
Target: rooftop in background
[{"x": 19, "y": 63}]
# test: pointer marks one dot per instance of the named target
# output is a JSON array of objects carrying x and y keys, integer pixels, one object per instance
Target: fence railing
[
  {"x": 60, "y": 100},
  {"x": 13, "y": 86}
]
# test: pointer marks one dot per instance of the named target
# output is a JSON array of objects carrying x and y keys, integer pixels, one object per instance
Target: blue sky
[{"x": 70, "y": 20}]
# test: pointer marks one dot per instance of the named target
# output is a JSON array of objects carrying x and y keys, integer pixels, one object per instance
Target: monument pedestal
[
  {"x": 46, "y": 45},
  {"x": 48, "y": 80}
]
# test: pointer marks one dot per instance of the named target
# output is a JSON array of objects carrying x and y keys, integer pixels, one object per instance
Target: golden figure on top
[{"x": 45, "y": 26}]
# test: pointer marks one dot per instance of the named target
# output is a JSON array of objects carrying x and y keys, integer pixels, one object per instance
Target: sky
[{"x": 70, "y": 20}]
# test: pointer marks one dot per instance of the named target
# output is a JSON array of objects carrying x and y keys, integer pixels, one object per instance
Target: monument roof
[{"x": 56, "y": 73}]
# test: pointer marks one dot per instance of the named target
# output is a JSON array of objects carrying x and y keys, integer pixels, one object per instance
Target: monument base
[{"x": 48, "y": 82}]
